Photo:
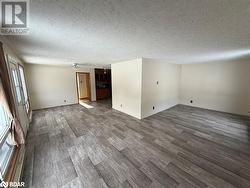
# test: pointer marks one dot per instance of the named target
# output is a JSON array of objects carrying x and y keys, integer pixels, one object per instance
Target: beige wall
[
  {"x": 222, "y": 86},
  {"x": 134, "y": 85},
  {"x": 126, "y": 87},
  {"x": 50, "y": 86},
  {"x": 163, "y": 95}
]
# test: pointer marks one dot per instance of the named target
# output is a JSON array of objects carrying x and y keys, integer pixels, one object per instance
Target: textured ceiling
[{"x": 106, "y": 31}]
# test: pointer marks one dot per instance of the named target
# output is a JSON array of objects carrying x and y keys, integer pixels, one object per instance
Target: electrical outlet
[
  {"x": 153, "y": 107},
  {"x": 65, "y": 101},
  {"x": 191, "y": 101},
  {"x": 157, "y": 82},
  {"x": 121, "y": 105}
]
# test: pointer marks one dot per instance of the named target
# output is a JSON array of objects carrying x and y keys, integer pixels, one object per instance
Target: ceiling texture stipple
[{"x": 107, "y": 31}]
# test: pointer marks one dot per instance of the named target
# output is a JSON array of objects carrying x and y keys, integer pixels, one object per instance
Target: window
[
  {"x": 17, "y": 86},
  {"x": 6, "y": 148},
  {"x": 5, "y": 155},
  {"x": 24, "y": 88},
  {"x": 3, "y": 120}
]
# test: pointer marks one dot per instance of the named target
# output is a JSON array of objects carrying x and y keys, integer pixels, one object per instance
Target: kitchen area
[{"x": 103, "y": 84}]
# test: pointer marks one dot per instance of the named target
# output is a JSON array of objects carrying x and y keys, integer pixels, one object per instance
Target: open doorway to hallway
[{"x": 83, "y": 87}]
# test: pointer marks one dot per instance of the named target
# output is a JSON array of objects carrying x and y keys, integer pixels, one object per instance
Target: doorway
[
  {"x": 83, "y": 87},
  {"x": 103, "y": 84}
]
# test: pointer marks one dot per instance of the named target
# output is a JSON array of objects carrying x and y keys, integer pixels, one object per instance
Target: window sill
[{"x": 15, "y": 165}]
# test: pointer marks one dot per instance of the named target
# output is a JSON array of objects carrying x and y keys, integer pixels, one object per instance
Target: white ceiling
[{"x": 106, "y": 31}]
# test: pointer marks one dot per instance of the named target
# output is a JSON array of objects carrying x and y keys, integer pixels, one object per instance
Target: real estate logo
[
  {"x": 14, "y": 17},
  {"x": 4, "y": 184}
]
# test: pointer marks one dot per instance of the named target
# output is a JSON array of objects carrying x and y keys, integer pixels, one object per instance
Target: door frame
[{"x": 89, "y": 84}]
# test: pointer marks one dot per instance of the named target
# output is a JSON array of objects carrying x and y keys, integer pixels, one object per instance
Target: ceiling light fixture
[{"x": 75, "y": 66}]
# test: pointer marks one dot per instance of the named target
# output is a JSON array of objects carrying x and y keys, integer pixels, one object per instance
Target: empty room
[{"x": 128, "y": 93}]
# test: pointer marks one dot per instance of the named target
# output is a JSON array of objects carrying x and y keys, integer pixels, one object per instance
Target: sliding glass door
[{"x": 20, "y": 93}]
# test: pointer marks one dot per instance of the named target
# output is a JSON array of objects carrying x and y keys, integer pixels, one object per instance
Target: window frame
[
  {"x": 3, "y": 138},
  {"x": 8, "y": 159},
  {"x": 17, "y": 87}
]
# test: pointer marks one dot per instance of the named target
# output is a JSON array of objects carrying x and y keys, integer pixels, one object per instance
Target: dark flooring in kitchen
[{"x": 73, "y": 146}]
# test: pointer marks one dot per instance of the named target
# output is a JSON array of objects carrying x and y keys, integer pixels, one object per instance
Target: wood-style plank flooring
[{"x": 73, "y": 146}]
